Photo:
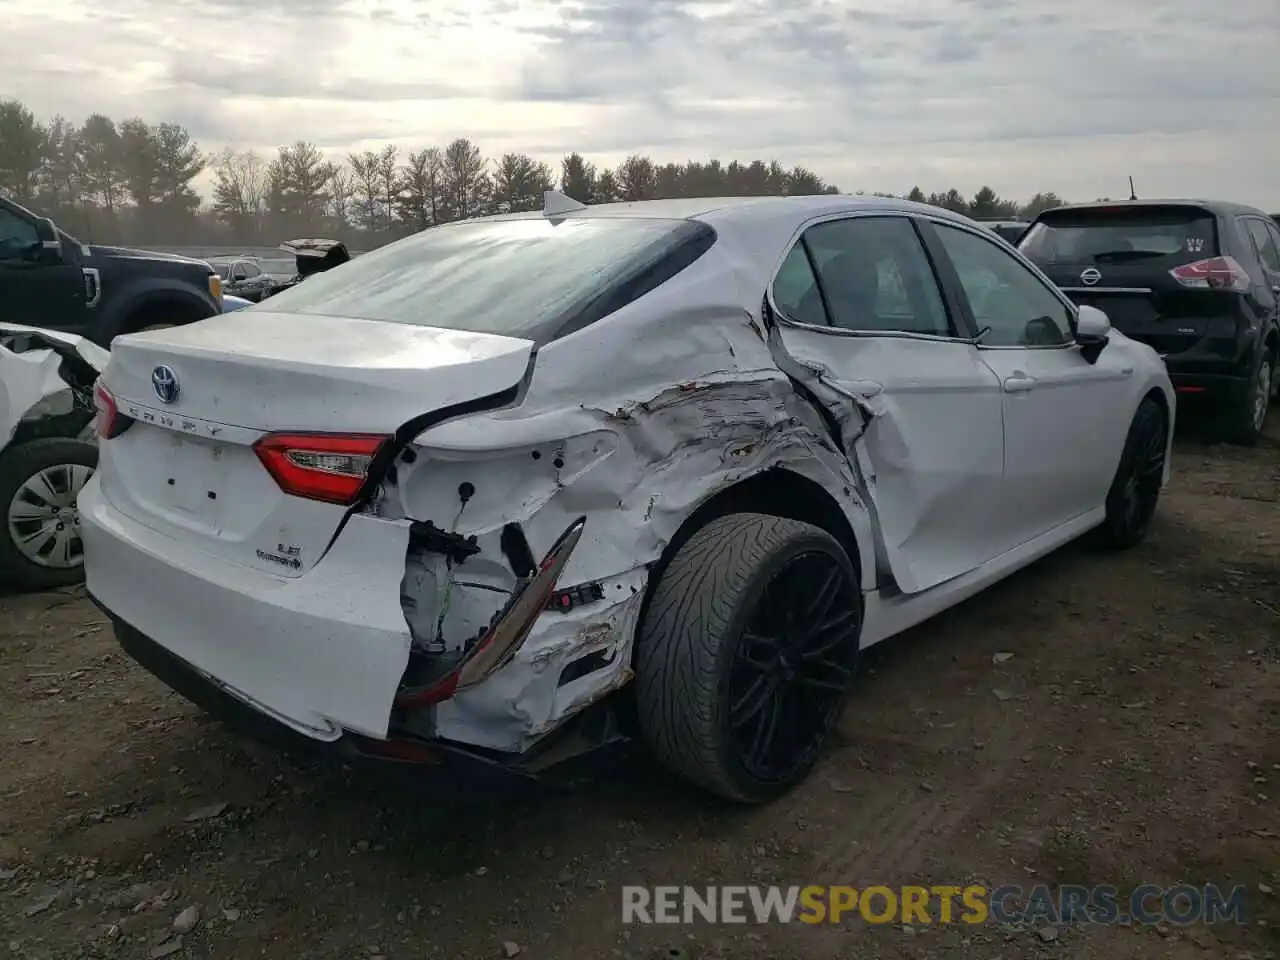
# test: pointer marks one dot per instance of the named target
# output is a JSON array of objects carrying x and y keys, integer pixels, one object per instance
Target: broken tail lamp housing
[
  {"x": 499, "y": 644},
  {"x": 108, "y": 421},
  {"x": 331, "y": 468}
]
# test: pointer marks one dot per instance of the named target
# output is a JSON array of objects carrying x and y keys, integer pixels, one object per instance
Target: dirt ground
[{"x": 1131, "y": 737}]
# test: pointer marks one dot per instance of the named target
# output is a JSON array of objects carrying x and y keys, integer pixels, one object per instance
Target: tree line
[{"x": 132, "y": 182}]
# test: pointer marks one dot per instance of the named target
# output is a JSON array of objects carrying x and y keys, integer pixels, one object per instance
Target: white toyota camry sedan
[{"x": 516, "y": 488}]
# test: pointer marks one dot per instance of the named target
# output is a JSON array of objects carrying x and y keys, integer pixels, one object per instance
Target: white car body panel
[
  {"x": 30, "y": 383},
  {"x": 311, "y": 651},
  {"x": 188, "y": 468},
  {"x": 632, "y": 422}
]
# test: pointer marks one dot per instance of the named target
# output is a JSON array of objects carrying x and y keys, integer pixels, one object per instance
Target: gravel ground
[{"x": 1126, "y": 733}]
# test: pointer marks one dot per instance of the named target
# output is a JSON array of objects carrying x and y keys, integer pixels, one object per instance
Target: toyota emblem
[{"x": 165, "y": 384}]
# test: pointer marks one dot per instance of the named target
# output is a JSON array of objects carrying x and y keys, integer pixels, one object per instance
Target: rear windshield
[
  {"x": 278, "y": 268},
  {"x": 1166, "y": 236},
  {"x": 221, "y": 269},
  {"x": 530, "y": 278}
]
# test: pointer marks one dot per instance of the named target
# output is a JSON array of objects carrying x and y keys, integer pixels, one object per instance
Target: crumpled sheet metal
[
  {"x": 26, "y": 379},
  {"x": 634, "y": 454}
]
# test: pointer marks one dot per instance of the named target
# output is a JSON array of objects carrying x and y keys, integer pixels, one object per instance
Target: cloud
[{"x": 1023, "y": 95}]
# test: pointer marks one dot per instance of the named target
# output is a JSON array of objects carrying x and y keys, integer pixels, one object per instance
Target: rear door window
[
  {"x": 1265, "y": 242},
  {"x": 1163, "y": 237},
  {"x": 875, "y": 277}
]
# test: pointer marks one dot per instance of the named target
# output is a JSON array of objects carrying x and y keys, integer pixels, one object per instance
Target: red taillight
[
  {"x": 1216, "y": 273},
  {"x": 107, "y": 421},
  {"x": 319, "y": 466}
]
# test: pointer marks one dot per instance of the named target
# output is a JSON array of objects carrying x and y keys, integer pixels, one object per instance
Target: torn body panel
[
  {"x": 636, "y": 461},
  {"x": 41, "y": 372}
]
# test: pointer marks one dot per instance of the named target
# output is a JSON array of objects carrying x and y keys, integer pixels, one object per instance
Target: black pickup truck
[{"x": 49, "y": 279}]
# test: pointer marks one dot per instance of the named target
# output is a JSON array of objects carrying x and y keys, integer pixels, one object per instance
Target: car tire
[
  {"x": 1135, "y": 490},
  {"x": 1247, "y": 421},
  {"x": 709, "y": 643},
  {"x": 55, "y": 459}
]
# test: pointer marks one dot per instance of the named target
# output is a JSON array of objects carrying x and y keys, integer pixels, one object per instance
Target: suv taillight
[
  {"x": 108, "y": 422},
  {"x": 319, "y": 466},
  {"x": 1216, "y": 273}
]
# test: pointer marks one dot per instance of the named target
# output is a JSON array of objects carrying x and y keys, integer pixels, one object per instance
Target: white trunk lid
[{"x": 187, "y": 468}]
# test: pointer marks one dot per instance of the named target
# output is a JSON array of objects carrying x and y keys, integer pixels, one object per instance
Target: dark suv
[
  {"x": 1197, "y": 280},
  {"x": 50, "y": 279}
]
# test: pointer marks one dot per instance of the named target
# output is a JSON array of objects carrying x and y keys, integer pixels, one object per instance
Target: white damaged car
[
  {"x": 47, "y": 452},
  {"x": 514, "y": 488}
]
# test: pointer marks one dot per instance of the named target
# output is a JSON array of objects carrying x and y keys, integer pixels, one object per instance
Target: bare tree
[
  {"x": 240, "y": 191},
  {"x": 421, "y": 204},
  {"x": 466, "y": 185},
  {"x": 342, "y": 188},
  {"x": 366, "y": 172}
]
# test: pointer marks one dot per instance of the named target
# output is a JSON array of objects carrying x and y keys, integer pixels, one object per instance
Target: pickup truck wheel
[
  {"x": 40, "y": 546},
  {"x": 746, "y": 653}
]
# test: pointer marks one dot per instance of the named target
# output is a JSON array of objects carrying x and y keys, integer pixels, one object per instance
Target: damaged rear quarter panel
[
  {"x": 632, "y": 422},
  {"x": 26, "y": 379}
]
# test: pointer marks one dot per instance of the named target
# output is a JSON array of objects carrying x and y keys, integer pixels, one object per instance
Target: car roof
[
  {"x": 762, "y": 228},
  {"x": 743, "y": 209},
  {"x": 1221, "y": 208}
]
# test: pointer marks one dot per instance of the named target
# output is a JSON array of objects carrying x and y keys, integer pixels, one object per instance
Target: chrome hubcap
[
  {"x": 44, "y": 523},
  {"x": 1262, "y": 395}
]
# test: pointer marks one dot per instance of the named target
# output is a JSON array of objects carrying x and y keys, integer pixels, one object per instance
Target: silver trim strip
[{"x": 1106, "y": 290}]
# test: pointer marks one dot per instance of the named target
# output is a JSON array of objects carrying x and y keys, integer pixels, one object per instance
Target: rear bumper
[
  {"x": 1214, "y": 388},
  {"x": 321, "y": 654},
  {"x": 452, "y": 768}
]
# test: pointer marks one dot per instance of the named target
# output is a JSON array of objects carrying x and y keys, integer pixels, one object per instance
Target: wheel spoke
[
  {"x": 33, "y": 543},
  {"x": 78, "y": 476},
  {"x": 40, "y": 488},
  {"x": 751, "y": 702},
  {"x": 60, "y": 555},
  {"x": 763, "y": 739},
  {"x": 826, "y": 595},
  {"x": 23, "y": 510},
  {"x": 825, "y": 675},
  {"x": 828, "y": 636},
  {"x": 751, "y": 642}
]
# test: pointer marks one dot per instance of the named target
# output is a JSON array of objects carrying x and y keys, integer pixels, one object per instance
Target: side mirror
[
  {"x": 47, "y": 230},
  {"x": 1093, "y": 330},
  {"x": 49, "y": 251}
]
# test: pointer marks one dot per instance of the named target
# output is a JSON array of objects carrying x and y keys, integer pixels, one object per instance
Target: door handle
[{"x": 1019, "y": 383}]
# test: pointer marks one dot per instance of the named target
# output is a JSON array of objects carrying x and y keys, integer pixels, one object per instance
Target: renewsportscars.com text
[{"x": 937, "y": 904}]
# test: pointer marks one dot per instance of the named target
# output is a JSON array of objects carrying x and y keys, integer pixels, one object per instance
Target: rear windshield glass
[
  {"x": 1166, "y": 236},
  {"x": 278, "y": 268},
  {"x": 528, "y": 278},
  {"x": 221, "y": 269}
]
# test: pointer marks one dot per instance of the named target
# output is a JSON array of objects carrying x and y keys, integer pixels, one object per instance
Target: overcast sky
[{"x": 1023, "y": 95}]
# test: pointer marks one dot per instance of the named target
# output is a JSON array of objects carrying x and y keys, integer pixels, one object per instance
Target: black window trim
[
  {"x": 952, "y": 279},
  {"x": 1270, "y": 229},
  {"x": 958, "y": 321}
]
